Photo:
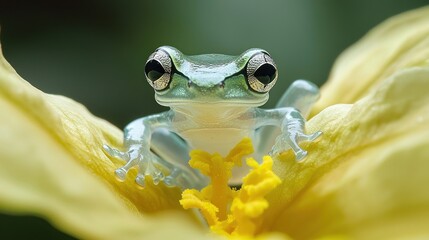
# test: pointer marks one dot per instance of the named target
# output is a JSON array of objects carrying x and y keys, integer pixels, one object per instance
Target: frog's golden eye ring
[
  {"x": 261, "y": 72},
  {"x": 158, "y": 70}
]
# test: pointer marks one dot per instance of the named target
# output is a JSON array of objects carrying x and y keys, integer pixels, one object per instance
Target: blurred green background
[{"x": 94, "y": 51}]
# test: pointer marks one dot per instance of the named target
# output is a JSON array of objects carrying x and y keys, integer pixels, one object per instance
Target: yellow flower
[{"x": 366, "y": 177}]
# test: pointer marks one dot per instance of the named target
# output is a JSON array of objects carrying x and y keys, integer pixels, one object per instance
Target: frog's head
[{"x": 210, "y": 78}]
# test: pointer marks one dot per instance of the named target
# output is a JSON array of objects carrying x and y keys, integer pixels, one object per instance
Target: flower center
[{"x": 229, "y": 211}]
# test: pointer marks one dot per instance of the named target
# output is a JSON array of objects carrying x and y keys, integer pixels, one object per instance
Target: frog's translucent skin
[{"x": 213, "y": 102}]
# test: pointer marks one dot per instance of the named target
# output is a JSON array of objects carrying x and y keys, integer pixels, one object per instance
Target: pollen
[{"x": 230, "y": 212}]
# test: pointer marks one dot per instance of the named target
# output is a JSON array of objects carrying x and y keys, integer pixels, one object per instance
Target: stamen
[{"x": 231, "y": 211}]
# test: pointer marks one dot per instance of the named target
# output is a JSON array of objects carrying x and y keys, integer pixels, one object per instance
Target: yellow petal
[
  {"x": 52, "y": 165},
  {"x": 367, "y": 176},
  {"x": 399, "y": 43}
]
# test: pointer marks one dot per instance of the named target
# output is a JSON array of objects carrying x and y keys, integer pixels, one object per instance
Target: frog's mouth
[{"x": 245, "y": 102}]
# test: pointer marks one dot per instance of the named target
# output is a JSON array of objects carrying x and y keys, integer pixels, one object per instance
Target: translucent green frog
[{"x": 213, "y": 102}]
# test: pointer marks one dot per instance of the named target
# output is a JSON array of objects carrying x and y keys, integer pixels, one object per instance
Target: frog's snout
[{"x": 220, "y": 85}]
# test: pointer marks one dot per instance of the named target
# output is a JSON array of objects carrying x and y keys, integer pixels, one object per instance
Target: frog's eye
[
  {"x": 158, "y": 70},
  {"x": 261, "y": 72}
]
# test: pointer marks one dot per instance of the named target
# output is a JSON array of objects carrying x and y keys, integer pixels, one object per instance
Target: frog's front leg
[
  {"x": 292, "y": 126},
  {"x": 137, "y": 143},
  {"x": 293, "y": 132}
]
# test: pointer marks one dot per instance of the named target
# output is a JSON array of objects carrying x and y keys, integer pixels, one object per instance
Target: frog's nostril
[
  {"x": 222, "y": 84},
  {"x": 189, "y": 84}
]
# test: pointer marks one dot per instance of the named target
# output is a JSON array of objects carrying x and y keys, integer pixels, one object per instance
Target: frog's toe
[
  {"x": 121, "y": 174},
  {"x": 179, "y": 178},
  {"x": 140, "y": 180},
  {"x": 277, "y": 148},
  {"x": 286, "y": 142},
  {"x": 115, "y": 152},
  {"x": 149, "y": 168},
  {"x": 171, "y": 180},
  {"x": 310, "y": 137},
  {"x": 157, "y": 177},
  {"x": 300, "y": 155},
  {"x": 274, "y": 151}
]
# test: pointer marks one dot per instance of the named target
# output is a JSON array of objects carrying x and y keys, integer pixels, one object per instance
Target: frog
[{"x": 214, "y": 101}]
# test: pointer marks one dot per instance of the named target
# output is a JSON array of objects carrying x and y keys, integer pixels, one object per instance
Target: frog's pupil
[
  {"x": 265, "y": 73},
  {"x": 154, "y": 70}
]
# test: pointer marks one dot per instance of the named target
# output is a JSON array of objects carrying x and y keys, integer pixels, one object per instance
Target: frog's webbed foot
[
  {"x": 286, "y": 141},
  {"x": 149, "y": 165},
  {"x": 292, "y": 134}
]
